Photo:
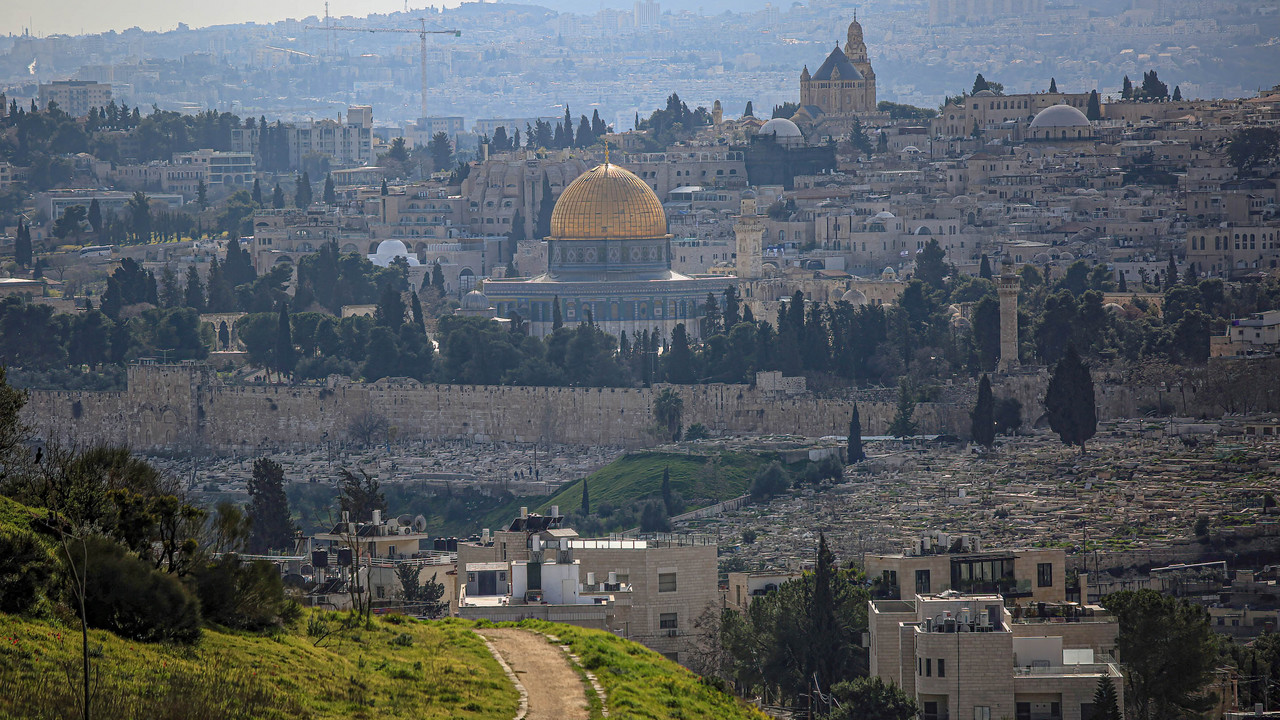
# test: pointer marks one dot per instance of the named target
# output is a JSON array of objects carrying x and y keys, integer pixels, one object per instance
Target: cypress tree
[
  {"x": 749, "y": 111},
  {"x": 1124, "y": 286},
  {"x": 984, "y": 270},
  {"x": 1126, "y": 91},
  {"x": 1093, "y": 110},
  {"x": 1053, "y": 85},
  {"x": 95, "y": 216},
  {"x": 419, "y": 321},
  {"x": 1069, "y": 401},
  {"x": 284, "y": 356},
  {"x": 1171, "y": 274},
  {"x": 194, "y": 298},
  {"x": 668, "y": 497},
  {"x": 598, "y": 128},
  {"x": 824, "y": 631},
  {"x": 330, "y": 193},
  {"x": 1177, "y": 93},
  {"x": 983, "y": 428},
  {"x": 542, "y": 226},
  {"x": 557, "y": 320},
  {"x": 903, "y": 426},
  {"x": 257, "y": 192},
  {"x": 277, "y": 197},
  {"x": 680, "y": 360},
  {"x": 855, "y": 453},
  {"x": 22, "y": 245},
  {"x": 385, "y": 190},
  {"x": 586, "y": 498},
  {"x": 302, "y": 192}
]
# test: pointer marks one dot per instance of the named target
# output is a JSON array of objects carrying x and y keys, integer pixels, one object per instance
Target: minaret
[
  {"x": 1007, "y": 286},
  {"x": 717, "y": 113},
  {"x": 749, "y": 233}
]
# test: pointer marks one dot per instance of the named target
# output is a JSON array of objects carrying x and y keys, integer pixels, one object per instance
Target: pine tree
[
  {"x": 1106, "y": 704},
  {"x": 277, "y": 197},
  {"x": 1069, "y": 401},
  {"x": 586, "y": 498},
  {"x": 855, "y": 454},
  {"x": 284, "y": 358},
  {"x": 390, "y": 309},
  {"x": 983, "y": 427},
  {"x": 257, "y": 192},
  {"x": 984, "y": 269},
  {"x": 979, "y": 84},
  {"x": 1053, "y": 85},
  {"x": 194, "y": 297},
  {"x": 1093, "y": 111},
  {"x": 557, "y": 320},
  {"x": 903, "y": 426},
  {"x": 270, "y": 527}
]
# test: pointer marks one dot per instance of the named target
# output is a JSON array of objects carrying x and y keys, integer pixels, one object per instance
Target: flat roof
[{"x": 484, "y": 566}]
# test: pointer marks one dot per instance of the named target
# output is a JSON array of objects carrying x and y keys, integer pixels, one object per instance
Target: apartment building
[
  {"x": 938, "y": 562},
  {"x": 745, "y": 587},
  {"x": 1258, "y": 334},
  {"x": 653, "y": 589},
  {"x": 75, "y": 97},
  {"x": 969, "y": 656}
]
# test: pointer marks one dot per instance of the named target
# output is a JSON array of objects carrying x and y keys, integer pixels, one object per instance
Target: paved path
[{"x": 555, "y": 691}]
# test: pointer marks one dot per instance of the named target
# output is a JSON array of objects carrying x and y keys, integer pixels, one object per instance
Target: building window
[
  {"x": 668, "y": 621},
  {"x": 1044, "y": 575},
  {"x": 928, "y": 667},
  {"x": 666, "y": 582},
  {"x": 942, "y": 667},
  {"x": 922, "y": 582},
  {"x": 981, "y": 712}
]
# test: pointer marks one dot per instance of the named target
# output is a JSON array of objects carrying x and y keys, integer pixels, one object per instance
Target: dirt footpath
[{"x": 555, "y": 690}]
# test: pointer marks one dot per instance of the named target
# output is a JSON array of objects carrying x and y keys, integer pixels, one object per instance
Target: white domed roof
[
  {"x": 1060, "y": 116},
  {"x": 984, "y": 93},
  {"x": 780, "y": 128},
  {"x": 889, "y": 273},
  {"x": 911, "y": 150},
  {"x": 1113, "y": 308},
  {"x": 885, "y": 215},
  {"x": 389, "y": 250}
]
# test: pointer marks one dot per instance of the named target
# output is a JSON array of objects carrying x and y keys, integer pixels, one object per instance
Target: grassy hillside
[
  {"x": 640, "y": 683},
  {"x": 701, "y": 479},
  {"x": 419, "y": 670}
]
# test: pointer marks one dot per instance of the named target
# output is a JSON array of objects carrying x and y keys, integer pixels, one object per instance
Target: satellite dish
[
  {"x": 404, "y": 520},
  {"x": 420, "y": 524}
]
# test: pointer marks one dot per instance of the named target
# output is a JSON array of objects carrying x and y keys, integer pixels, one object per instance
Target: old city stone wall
[{"x": 177, "y": 405}]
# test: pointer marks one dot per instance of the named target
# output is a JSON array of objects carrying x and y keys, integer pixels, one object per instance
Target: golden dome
[{"x": 608, "y": 203}]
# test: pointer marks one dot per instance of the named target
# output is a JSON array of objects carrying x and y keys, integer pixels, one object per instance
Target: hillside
[
  {"x": 701, "y": 479},
  {"x": 421, "y": 670},
  {"x": 397, "y": 669}
]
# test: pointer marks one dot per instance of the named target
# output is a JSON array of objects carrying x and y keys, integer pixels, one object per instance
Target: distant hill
[{"x": 702, "y": 479}]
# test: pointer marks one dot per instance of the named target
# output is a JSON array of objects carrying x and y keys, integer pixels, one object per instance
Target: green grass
[
  {"x": 702, "y": 480},
  {"x": 441, "y": 670},
  {"x": 641, "y": 684}
]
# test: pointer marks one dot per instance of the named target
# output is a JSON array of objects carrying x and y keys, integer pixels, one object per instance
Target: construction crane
[{"x": 422, "y": 34}]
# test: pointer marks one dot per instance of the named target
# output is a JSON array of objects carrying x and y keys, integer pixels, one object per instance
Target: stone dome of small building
[
  {"x": 389, "y": 250},
  {"x": 854, "y": 297},
  {"x": 475, "y": 300}
]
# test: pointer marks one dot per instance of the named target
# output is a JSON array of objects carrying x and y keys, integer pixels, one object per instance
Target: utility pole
[{"x": 422, "y": 32}]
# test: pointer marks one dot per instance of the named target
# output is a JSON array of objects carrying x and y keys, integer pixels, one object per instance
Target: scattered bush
[
  {"x": 26, "y": 570},
  {"x": 246, "y": 596},
  {"x": 771, "y": 481},
  {"x": 134, "y": 600}
]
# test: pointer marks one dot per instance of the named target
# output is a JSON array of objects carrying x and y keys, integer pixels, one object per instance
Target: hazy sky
[{"x": 46, "y": 17}]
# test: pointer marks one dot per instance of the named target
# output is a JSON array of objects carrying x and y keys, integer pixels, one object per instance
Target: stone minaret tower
[
  {"x": 1007, "y": 286},
  {"x": 717, "y": 113},
  {"x": 749, "y": 232}
]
